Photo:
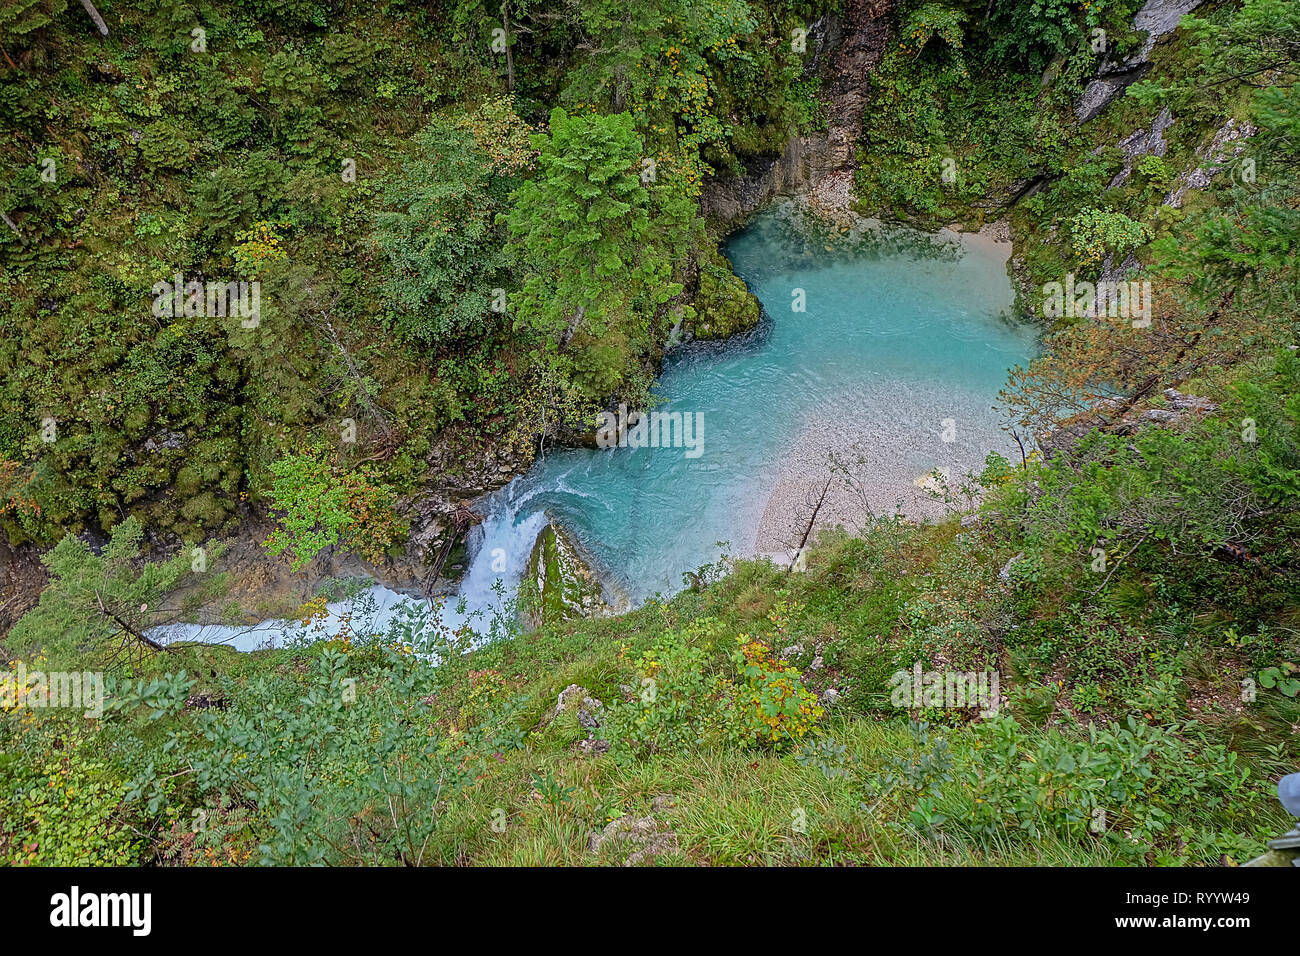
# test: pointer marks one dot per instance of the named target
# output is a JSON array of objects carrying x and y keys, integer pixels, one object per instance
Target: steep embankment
[{"x": 847, "y": 48}]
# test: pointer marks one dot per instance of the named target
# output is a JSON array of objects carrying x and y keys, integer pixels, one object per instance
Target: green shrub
[
  {"x": 323, "y": 505},
  {"x": 1122, "y": 783},
  {"x": 1095, "y": 232}
]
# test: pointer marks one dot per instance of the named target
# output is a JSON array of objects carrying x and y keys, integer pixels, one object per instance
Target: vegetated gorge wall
[
  {"x": 846, "y": 49},
  {"x": 1158, "y": 19}
]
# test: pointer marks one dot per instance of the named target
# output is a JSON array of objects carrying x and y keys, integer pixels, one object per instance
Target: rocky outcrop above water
[
  {"x": 429, "y": 562},
  {"x": 1142, "y": 142},
  {"x": 1177, "y": 406},
  {"x": 1157, "y": 18},
  {"x": 724, "y": 306},
  {"x": 1228, "y": 143},
  {"x": 558, "y": 584}
]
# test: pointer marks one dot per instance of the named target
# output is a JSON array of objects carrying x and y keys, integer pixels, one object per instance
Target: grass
[{"x": 740, "y": 806}]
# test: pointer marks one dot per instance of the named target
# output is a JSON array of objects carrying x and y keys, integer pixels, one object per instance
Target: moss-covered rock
[
  {"x": 723, "y": 305},
  {"x": 558, "y": 584}
]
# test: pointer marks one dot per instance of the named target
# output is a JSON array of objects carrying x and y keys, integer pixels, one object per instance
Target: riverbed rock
[{"x": 558, "y": 583}]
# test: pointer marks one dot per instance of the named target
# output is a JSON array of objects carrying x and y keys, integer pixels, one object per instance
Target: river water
[{"x": 886, "y": 340}]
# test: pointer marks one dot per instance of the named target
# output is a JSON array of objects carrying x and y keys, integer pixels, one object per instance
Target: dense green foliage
[
  {"x": 322, "y": 508},
  {"x": 515, "y": 248},
  {"x": 361, "y": 163},
  {"x": 597, "y": 265},
  {"x": 441, "y": 239},
  {"x": 848, "y": 783}
]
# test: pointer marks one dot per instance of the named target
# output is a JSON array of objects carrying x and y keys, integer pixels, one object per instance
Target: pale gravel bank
[
  {"x": 893, "y": 461},
  {"x": 887, "y": 465}
]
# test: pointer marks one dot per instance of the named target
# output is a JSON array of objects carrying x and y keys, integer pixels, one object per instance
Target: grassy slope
[{"x": 865, "y": 608}]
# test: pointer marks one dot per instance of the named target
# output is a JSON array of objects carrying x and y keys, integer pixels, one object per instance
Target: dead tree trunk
[
  {"x": 364, "y": 398},
  {"x": 14, "y": 226},
  {"x": 812, "y": 521},
  {"x": 100, "y": 25},
  {"x": 461, "y": 521},
  {"x": 510, "y": 60},
  {"x": 130, "y": 632}
]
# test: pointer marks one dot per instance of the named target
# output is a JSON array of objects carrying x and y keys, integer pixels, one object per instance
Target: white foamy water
[{"x": 500, "y": 545}]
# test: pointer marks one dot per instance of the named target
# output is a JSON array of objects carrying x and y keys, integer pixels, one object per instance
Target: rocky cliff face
[
  {"x": 847, "y": 48},
  {"x": 1157, "y": 19},
  {"x": 22, "y": 578}
]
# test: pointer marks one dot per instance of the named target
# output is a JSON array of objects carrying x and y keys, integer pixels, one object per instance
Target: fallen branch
[
  {"x": 811, "y": 522},
  {"x": 94, "y": 15},
  {"x": 14, "y": 226}
]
